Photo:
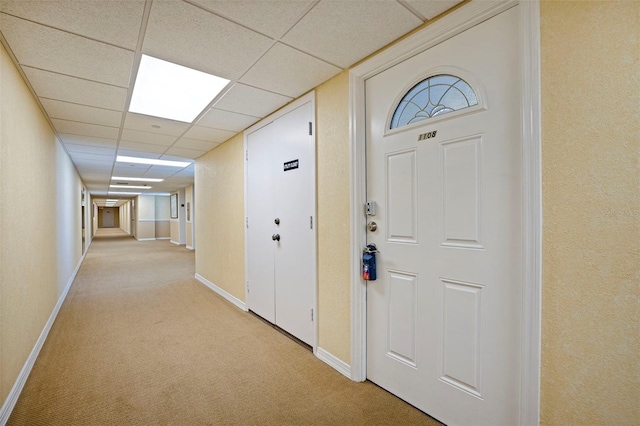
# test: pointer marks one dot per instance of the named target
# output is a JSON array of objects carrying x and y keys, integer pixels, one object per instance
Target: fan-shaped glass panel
[{"x": 432, "y": 97}]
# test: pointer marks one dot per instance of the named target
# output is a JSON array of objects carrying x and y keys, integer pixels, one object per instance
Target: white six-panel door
[
  {"x": 443, "y": 317},
  {"x": 281, "y": 239}
]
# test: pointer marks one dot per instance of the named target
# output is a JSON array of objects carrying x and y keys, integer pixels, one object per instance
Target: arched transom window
[{"x": 434, "y": 96}]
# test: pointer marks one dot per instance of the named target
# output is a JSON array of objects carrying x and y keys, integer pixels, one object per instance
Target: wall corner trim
[
  {"x": 239, "y": 303},
  {"x": 334, "y": 362},
  {"x": 16, "y": 390}
]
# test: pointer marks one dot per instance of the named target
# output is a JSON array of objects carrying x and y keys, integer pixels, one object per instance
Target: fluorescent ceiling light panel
[
  {"x": 111, "y": 201},
  {"x": 152, "y": 161},
  {"x": 124, "y": 193},
  {"x": 135, "y": 179},
  {"x": 167, "y": 90},
  {"x": 130, "y": 186}
]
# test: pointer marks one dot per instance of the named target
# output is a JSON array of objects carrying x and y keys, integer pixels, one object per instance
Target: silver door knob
[
  {"x": 277, "y": 221},
  {"x": 275, "y": 237},
  {"x": 372, "y": 226}
]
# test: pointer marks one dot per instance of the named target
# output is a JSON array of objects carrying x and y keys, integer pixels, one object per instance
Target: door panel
[
  {"x": 260, "y": 246},
  {"x": 402, "y": 197},
  {"x": 295, "y": 207},
  {"x": 443, "y": 317}
]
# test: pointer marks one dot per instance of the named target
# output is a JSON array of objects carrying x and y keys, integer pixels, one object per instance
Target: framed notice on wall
[{"x": 174, "y": 206}]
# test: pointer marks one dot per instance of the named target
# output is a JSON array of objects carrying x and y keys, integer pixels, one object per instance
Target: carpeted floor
[{"x": 139, "y": 341}]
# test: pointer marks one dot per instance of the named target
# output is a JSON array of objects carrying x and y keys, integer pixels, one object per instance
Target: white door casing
[
  {"x": 281, "y": 274},
  {"x": 529, "y": 120}
]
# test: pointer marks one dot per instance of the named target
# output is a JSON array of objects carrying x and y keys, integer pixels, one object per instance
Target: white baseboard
[
  {"x": 145, "y": 239},
  {"x": 163, "y": 238},
  {"x": 190, "y": 248},
  {"x": 239, "y": 303},
  {"x": 175, "y": 242},
  {"x": 14, "y": 394},
  {"x": 334, "y": 362}
]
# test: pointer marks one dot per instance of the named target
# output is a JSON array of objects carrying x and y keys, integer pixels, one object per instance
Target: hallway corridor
[{"x": 139, "y": 341}]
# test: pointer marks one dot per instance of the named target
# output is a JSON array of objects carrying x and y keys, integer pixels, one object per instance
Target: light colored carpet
[{"x": 139, "y": 341}]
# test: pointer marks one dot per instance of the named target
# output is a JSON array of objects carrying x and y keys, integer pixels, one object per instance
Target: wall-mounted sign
[{"x": 290, "y": 165}]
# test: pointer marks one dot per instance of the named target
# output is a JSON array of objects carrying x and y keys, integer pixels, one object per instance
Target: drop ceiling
[{"x": 80, "y": 59}]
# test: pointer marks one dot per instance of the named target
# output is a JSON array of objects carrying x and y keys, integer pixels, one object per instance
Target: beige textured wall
[
  {"x": 334, "y": 281},
  {"x": 219, "y": 191},
  {"x": 162, "y": 207},
  {"x": 163, "y": 229},
  {"x": 38, "y": 249},
  {"x": 591, "y": 195}
]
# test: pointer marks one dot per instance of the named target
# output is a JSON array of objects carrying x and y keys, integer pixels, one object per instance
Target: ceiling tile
[
  {"x": 70, "y": 89},
  {"x": 161, "y": 172},
  {"x": 208, "y": 134},
  {"x": 81, "y": 113},
  {"x": 195, "y": 144},
  {"x": 146, "y": 137},
  {"x": 272, "y": 17},
  {"x": 367, "y": 25},
  {"x": 251, "y": 101},
  {"x": 116, "y": 21},
  {"x": 79, "y": 156},
  {"x": 146, "y": 123},
  {"x": 43, "y": 47},
  {"x": 96, "y": 177},
  {"x": 187, "y": 172},
  {"x": 87, "y": 140},
  {"x": 140, "y": 147},
  {"x": 93, "y": 165},
  {"x": 182, "y": 153},
  {"x": 225, "y": 120},
  {"x": 129, "y": 170},
  {"x": 288, "y": 71},
  {"x": 142, "y": 154},
  {"x": 431, "y": 9},
  {"x": 85, "y": 129},
  {"x": 89, "y": 149},
  {"x": 187, "y": 35}
]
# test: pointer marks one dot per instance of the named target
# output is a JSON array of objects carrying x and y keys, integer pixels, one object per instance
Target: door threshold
[{"x": 282, "y": 331}]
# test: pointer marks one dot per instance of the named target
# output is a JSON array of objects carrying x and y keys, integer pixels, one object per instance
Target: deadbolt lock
[
  {"x": 275, "y": 237},
  {"x": 372, "y": 226},
  {"x": 277, "y": 221}
]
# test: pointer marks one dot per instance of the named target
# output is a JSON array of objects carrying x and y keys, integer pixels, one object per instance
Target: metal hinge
[
  {"x": 248, "y": 287},
  {"x": 246, "y": 155},
  {"x": 310, "y": 128},
  {"x": 311, "y": 222},
  {"x": 311, "y": 314},
  {"x": 247, "y": 222}
]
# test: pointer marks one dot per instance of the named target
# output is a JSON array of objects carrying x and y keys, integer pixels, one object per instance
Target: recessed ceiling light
[
  {"x": 136, "y": 179},
  {"x": 130, "y": 186},
  {"x": 111, "y": 201},
  {"x": 138, "y": 160},
  {"x": 167, "y": 90}
]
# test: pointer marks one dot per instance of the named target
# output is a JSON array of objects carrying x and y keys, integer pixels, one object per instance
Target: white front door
[
  {"x": 281, "y": 230},
  {"x": 443, "y": 316}
]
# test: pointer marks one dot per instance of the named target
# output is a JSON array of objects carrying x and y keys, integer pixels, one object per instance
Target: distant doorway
[{"x": 108, "y": 217}]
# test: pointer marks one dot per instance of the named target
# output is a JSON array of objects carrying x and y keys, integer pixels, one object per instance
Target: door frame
[
  {"x": 454, "y": 23},
  {"x": 309, "y": 97}
]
